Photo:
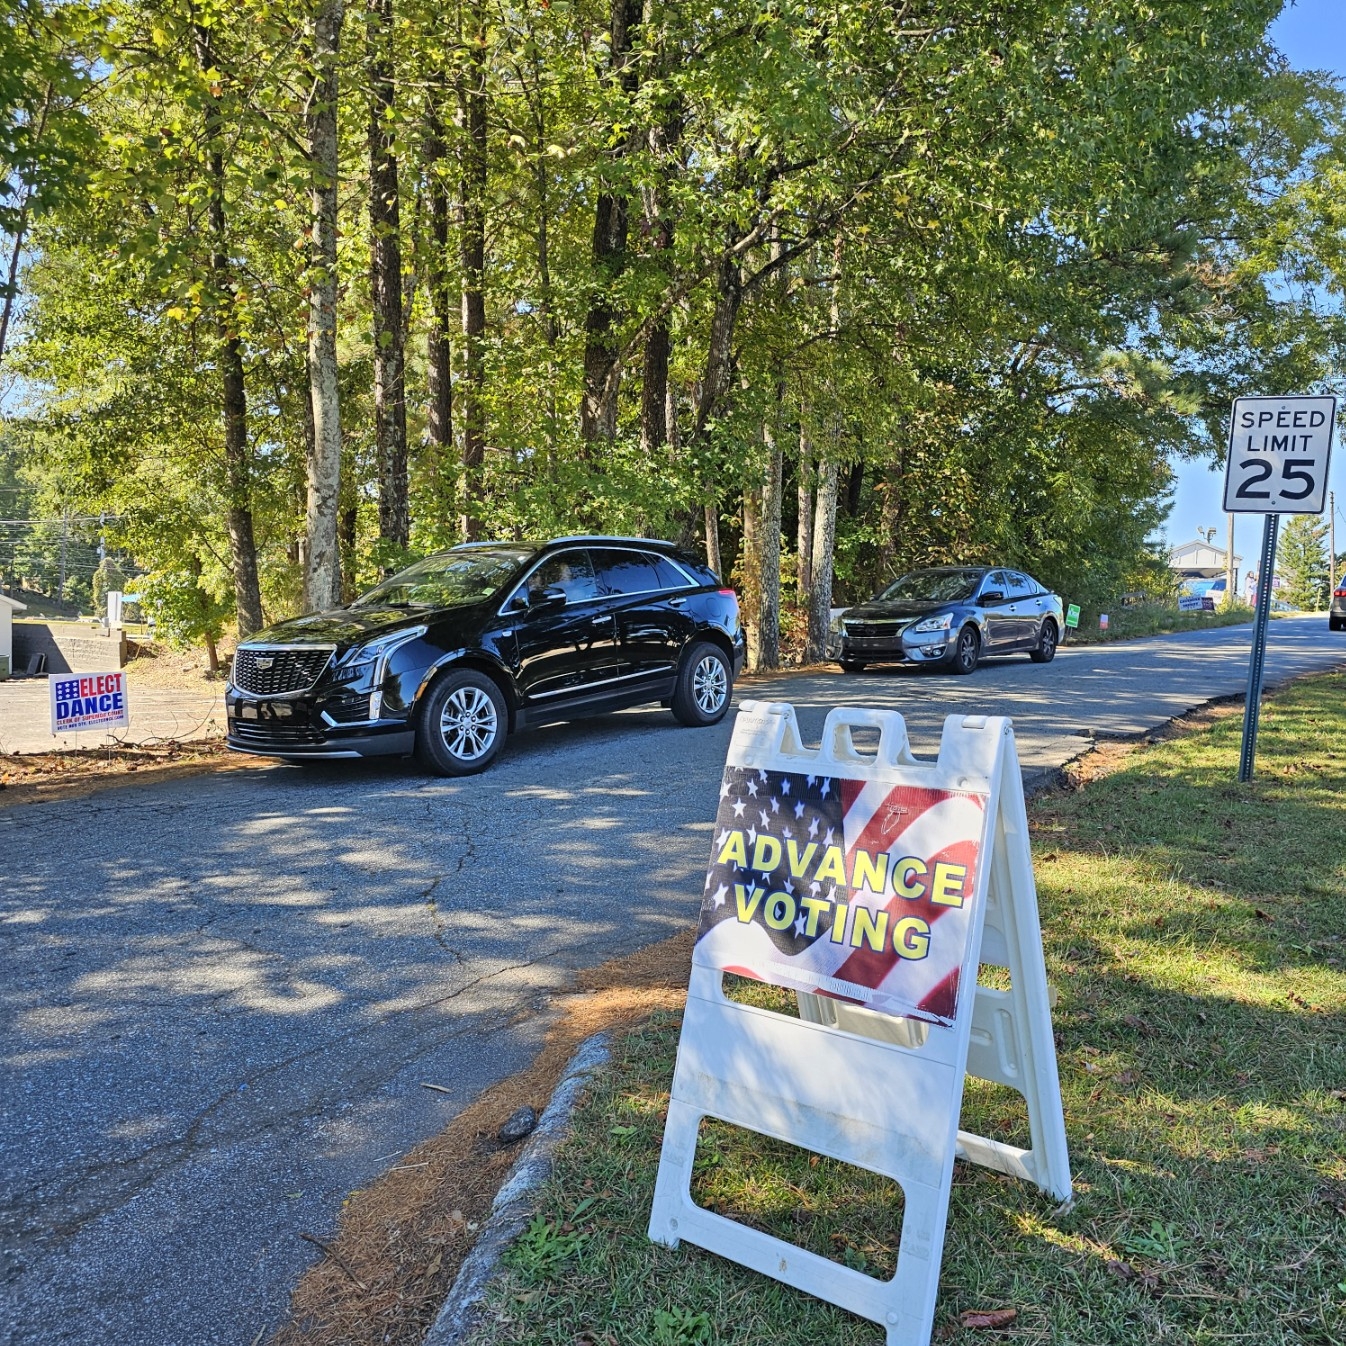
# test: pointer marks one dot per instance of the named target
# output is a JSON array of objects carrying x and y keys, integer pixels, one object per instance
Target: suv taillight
[
  {"x": 729, "y": 593},
  {"x": 1339, "y": 593}
]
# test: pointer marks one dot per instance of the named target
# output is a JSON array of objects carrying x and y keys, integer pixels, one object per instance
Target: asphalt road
[{"x": 220, "y": 994}]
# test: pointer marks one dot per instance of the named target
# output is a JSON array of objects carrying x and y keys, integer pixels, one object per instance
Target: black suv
[{"x": 476, "y": 642}]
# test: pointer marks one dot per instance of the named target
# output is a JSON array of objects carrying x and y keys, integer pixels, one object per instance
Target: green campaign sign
[{"x": 1073, "y": 615}]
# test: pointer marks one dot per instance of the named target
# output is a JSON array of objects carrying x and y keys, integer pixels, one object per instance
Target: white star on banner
[
  {"x": 813, "y": 780},
  {"x": 827, "y": 786},
  {"x": 799, "y": 926},
  {"x": 831, "y": 832},
  {"x": 799, "y": 809},
  {"x": 720, "y": 894},
  {"x": 775, "y": 806},
  {"x": 814, "y": 888},
  {"x": 738, "y": 808},
  {"x": 787, "y": 834},
  {"x": 785, "y": 785},
  {"x": 724, "y": 789},
  {"x": 752, "y": 788},
  {"x": 813, "y": 827},
  {"x": 752, "y": 836},
  {"x": 722, "y": 838},
  {"x": 766, "y": 819},
  {"x": 831, "y": 892},
  {"x": 761, "y": 773}
]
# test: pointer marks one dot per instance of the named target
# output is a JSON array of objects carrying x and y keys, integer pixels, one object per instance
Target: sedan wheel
[
  {"x": 704, "y": 685},
  {"x": 1046, "y": 650},
  {"x": 967, "y": 651},
  {"x": 463, "y": 723}
]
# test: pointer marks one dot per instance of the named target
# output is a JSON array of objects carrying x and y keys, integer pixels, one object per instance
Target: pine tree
[{"x": 1303, "y": 562}]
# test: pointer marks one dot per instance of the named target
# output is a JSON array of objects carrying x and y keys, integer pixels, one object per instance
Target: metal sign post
[
  {"x": 1279, "y": 453},
  {"x": 1252, "y": 704}
]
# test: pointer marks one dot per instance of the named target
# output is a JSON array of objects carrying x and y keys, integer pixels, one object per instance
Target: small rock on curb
[
  {"x": 514, "y": 1202},
  {"x": 519, "y": 1124}
]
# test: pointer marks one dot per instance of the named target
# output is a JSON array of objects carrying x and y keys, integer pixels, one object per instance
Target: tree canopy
[{"x": 827, "y": 291}]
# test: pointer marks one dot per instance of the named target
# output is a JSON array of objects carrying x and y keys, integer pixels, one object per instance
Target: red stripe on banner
[
  {"x": 899, "y": 809},
  {"x": 866, "y": 966},
  {"x": 943, "y": 1000},
  {"x": 850, "y": 792}
]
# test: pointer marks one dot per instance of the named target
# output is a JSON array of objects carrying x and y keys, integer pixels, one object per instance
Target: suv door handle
[
  {"x": 677, "y": 602},
  {"x": 601, "y": 617}
]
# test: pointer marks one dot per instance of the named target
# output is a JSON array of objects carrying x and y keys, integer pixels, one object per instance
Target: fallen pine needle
[
  {"x": 438, "y": 1088},
  {"x": 318, "y": 1243}
]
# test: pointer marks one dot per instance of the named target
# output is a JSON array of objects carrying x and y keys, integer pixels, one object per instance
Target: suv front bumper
[{"x": 304, "y": 727}]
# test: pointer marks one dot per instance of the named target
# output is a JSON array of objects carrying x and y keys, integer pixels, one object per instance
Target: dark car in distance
[
  {"x": 948, "y": 617},
  {"x": 1336, "y": 617},
  {"x": 449, "y": 657}
]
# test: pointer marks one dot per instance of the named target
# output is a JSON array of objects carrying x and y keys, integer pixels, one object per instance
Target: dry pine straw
[
  {"x": 42, "y": 777},
  {"x": 402, "y": 1239}
]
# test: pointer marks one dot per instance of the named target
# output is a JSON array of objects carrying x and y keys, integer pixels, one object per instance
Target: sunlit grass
[{"x": 1195, "y": 930}]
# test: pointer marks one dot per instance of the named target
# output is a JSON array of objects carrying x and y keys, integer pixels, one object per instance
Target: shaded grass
[{"x": 1196, "y": 932}]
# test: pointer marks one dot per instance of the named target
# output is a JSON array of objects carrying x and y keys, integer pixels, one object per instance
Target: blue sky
[{"x": 1312, "y": 34}]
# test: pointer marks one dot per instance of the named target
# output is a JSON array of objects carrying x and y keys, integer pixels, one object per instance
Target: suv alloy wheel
[
  {"x": 701, "y": 696},
  {"x": 463, "y": 724}
]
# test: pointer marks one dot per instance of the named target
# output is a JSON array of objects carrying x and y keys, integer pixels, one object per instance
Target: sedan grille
[
  {"x": 278, "y": 672},
  {"x": 875, "y": 630}
]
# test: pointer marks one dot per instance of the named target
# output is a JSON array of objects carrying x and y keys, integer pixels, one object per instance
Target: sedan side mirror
[{"x": 993, "y": 596}]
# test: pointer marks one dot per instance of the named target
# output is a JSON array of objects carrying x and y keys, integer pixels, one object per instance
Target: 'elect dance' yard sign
[{"x": 87, "y": 701}]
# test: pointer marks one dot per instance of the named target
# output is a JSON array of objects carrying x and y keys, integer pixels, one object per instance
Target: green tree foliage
[
  {"x": 964, "y": 276},
  {"x": 1301, "y": 558}
]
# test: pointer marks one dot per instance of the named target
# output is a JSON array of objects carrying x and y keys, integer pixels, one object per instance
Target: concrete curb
[{"x": 513, "y": 1205}]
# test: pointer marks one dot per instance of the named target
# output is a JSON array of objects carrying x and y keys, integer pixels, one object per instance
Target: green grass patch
[
  {"x": 1152, "y": 619},
  {"x": 1196, "y": 932}
]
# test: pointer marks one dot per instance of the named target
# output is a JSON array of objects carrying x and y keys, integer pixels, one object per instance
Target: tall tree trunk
[
  {"x": 824, "y": 542},
  {"x": 598, "y": 410},
  {"x": 750, "y": 571},
  {"x": 385, "y": 281},
  {"x": 713, "y": 558},
  {"x": 346, "y": 528},
  {"x": 472, "y": 208},
  {"x": 322, "y": 577},
  {"x": 439, "y": 341},
  {"x": 804, "y": 532},
  {"x": 237, "y": 458},
  {"x": 768, "y": 547}
]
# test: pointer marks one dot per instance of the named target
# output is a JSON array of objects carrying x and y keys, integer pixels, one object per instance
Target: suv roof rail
[
  {"x": 474, "y": 546},
  {"x": 611, "y": 537}
]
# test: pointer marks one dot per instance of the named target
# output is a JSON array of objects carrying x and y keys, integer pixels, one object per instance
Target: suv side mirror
[
  {"x": 545, "y": 600},
  {"x": 993, "y": 596}
]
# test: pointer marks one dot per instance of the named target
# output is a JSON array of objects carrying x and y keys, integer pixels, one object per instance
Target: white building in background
[
  {"x": 8, "y": 607},
  {"x": 1201, "y": 560}
]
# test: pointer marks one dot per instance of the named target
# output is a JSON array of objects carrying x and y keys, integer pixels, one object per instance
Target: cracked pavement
[{"x": 221, "y": 994}]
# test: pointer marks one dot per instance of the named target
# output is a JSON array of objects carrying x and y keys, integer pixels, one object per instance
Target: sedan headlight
[
  {"x": 940, "y": 623},
  {"x": 376, "y": 653},
  {"x": 835, "y": 625}
]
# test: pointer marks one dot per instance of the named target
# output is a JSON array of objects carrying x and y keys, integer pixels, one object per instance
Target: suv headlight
[
  {"x": 375, "y": 654},
  {"x": 940, "y": 623},
  {"x": 835, "y": 625}
]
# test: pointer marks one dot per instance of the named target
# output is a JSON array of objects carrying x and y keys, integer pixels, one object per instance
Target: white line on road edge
[{"x": 513, "y": 1205}]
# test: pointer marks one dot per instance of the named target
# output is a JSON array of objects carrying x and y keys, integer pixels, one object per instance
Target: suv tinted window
[
  {"x": 571, "y": 571},
  {"x": 625, "y": 572},
  {"x": 670, "y": 577}
]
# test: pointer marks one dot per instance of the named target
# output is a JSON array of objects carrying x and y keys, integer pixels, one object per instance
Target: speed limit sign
[{"x": 1278, "y": 454}]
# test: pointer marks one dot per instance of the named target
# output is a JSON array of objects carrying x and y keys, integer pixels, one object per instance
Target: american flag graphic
[{"x": 776, "y": 911}]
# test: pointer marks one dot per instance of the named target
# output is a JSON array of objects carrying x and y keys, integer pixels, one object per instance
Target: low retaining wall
[{"x": 70, "y": 648}]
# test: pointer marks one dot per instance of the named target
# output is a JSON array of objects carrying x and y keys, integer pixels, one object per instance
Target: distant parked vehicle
[
  {"x": 948, "y": 617},
  {"x": 469, "y": 645},
  {"x": 1336, "y": 617}
]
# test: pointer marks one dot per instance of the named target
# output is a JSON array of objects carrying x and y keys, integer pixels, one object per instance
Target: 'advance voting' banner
[
  {"x": 852, "y": 889},
  {"x": 87, "y": 701}
]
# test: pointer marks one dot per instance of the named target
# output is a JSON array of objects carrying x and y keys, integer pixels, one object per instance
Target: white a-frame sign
[{"x": 873, "y": 885}]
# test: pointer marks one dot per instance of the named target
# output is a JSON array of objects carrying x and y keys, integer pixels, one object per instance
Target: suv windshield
[
  {"x": 933, "y": 586},
  {"x": 448, "y": 580}
]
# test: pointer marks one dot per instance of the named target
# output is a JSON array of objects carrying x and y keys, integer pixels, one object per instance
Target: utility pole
[
  {"x": 1229, "y": 564},
  {"x": 65, "y": 528},
  {"x": 1331, "y": 543}
]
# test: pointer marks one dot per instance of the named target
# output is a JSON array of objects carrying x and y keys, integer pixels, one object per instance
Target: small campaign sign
[
  {"x": 1189, "y": 603},
  {"x": 1102, "y": 621},
  {"x": 1073, "y": 615},
  {"x": 1279, "y": 449},
  {"x": 87, "y": 701}
]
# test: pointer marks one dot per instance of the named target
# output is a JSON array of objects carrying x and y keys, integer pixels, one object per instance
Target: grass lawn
[
  {"x": 1196, "y": 932},
  {"x": 1152, "y": 619}
]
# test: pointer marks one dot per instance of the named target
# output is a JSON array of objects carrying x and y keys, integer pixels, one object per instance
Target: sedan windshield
[
  {"x": 449, "y": 580},
  {"x": 933, "y": 586}
]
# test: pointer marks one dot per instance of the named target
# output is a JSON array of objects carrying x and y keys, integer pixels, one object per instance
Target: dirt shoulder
[{"x": 42, "y": 777}]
